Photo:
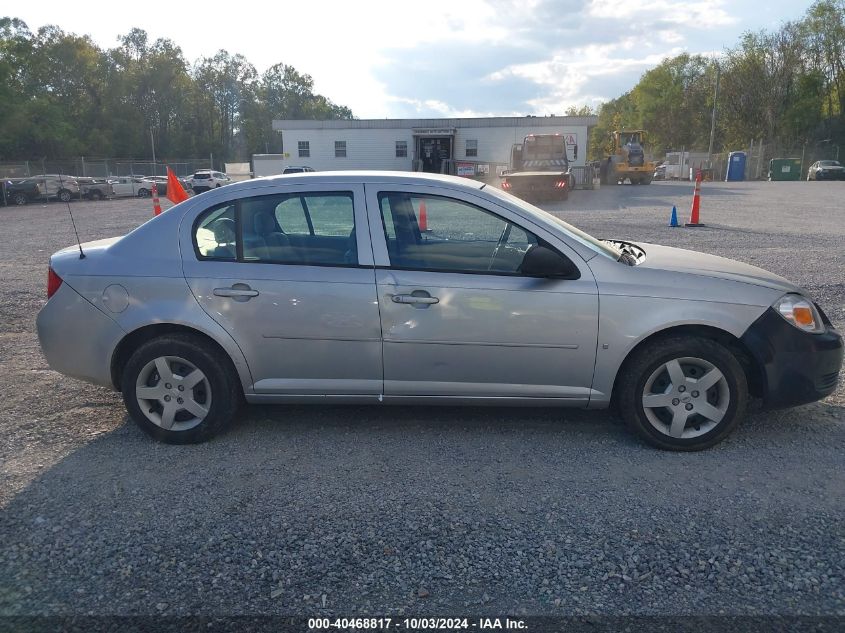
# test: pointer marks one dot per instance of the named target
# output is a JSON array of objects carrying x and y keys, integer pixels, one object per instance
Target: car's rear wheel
[
  {"x": 143, "y": 193},
  {"x": 683, "y": 393},
  {"x": 20, "y": 199},
  {"x": 179, "y": 389},
  {"x": 96, "y": 194},
  {"x": 64, "y": 195}
]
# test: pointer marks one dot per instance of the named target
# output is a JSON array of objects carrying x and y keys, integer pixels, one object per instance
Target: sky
[{"x": 439, "y": 58}]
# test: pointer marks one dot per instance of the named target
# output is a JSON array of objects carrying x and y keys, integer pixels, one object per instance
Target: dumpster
[
  {"x": 785, "y": 169},
  {"x": 736, "y": 167}
]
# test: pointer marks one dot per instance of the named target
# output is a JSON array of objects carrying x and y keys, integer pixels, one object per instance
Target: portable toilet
[
  {"x": 736, "y": 167},
  {"x": 785, "y": 169}
]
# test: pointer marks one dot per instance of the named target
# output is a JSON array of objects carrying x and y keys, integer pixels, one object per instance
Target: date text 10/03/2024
[{"x": 416, "y": 623}]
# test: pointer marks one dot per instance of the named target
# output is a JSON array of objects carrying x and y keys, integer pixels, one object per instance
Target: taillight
[
  {"x": 53, "y": 282},
  {"x": 506, "y": 185},
  {"x": 560, "y": 184}
]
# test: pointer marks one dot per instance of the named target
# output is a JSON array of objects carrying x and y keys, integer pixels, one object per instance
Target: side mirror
[{"x": 541, "y": 261}]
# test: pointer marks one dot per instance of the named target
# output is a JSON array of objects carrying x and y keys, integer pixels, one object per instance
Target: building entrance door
[{"x": 432, "y": 151}]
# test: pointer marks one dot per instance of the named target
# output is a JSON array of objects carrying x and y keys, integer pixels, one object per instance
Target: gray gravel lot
[{"x": 329, "y": 510}]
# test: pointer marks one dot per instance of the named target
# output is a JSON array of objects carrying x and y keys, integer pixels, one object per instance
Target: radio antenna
[{"x": 70, "y": 213}]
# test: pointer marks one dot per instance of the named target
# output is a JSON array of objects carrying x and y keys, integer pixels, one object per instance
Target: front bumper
[{"x": 797, "y": 367}]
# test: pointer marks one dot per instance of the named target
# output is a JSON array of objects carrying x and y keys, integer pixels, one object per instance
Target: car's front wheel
[
  {"x": 179, "y": 389},
  {"x": 64, "y": 195},
  {"x": 143, "y": 193},
  {"x": 20, "y": 199},
  {"x": 683, "y": 393}
]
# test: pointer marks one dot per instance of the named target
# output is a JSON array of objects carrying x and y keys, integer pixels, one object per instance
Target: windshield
[
  {"x": 544, "y": 147},
  {"x": 599, "y": 246},
  {"x": 829, "y": 163}
]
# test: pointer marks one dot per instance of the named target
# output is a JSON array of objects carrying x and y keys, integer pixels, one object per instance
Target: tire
[
  {"x": 217, "y": 186},
  {"x": 95, "y": 194},
  {"x": 216, "y": 390},
  {"x": 64, "y": 195},
  {"x": 20, "y": 199},
  {"x": 713, "y": 414},
  {"x": 143, "y": 193}
]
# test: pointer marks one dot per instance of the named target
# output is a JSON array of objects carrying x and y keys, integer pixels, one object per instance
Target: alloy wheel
[
  {"x": 173, "y": 393},
  {"x": 686, "y": 397}
]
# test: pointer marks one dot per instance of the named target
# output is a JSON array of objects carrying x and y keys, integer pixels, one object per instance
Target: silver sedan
[{"x": 406, "y": 288}]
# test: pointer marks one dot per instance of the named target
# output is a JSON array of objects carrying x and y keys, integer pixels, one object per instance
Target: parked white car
[
  {"x": 131, "y": 186},
  {"x": 206, "y": 179}
]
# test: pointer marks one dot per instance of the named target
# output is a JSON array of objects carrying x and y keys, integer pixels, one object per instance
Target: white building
[{"x": 423, "y": 144}]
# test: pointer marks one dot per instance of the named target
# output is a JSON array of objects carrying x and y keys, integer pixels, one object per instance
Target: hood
[{"x": 704, "y": 265}]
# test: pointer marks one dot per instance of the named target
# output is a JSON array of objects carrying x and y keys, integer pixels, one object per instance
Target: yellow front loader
[{"x": 628, "y": 160}]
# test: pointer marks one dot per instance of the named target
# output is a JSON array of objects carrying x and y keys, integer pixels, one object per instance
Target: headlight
[{"x": 800, "y": 312}]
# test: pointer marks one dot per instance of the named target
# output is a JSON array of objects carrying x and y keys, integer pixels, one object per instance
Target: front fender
[{"x": 624, "y": 322}]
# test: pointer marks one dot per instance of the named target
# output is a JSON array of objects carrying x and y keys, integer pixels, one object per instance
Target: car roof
[{"x": 366, "y": 176}]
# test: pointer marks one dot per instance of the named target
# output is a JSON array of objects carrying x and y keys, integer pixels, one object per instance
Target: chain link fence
[
  {"x": 102, "y": 167},
  {"x": 758, "y": 155}
]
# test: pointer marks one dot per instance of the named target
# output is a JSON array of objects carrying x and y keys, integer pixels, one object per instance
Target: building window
[
  {"x": 340, "y": 149},
  {"x": 304, "y": 149},
  {"x": 472, "y": 148},
  {"x": 401, "y": 149}
]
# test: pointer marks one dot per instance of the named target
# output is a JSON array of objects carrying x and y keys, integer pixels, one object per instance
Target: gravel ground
[{"x": 365, "y": 510}]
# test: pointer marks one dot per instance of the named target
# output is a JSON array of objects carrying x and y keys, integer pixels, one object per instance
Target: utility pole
[
  {"x": 713, "y": 117},
  {"x": 153, "y": 146}
]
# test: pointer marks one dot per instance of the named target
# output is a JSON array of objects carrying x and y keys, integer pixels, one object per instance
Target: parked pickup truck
[
  {"x": 95, "y": 188},
  {"x": 539, "y": 168}
]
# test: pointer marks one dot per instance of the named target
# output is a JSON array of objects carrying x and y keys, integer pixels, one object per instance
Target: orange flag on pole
[{"x": 175, "y": 192}]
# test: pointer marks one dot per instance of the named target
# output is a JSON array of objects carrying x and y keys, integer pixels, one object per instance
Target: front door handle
[
  {"x": 418, "y": 297},
  {"x": 238, "y": 292}
]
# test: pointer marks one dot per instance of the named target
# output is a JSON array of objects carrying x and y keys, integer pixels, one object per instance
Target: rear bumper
[
  {"x": 76, "y": 338},
  {"x": 797, "y": 367}
]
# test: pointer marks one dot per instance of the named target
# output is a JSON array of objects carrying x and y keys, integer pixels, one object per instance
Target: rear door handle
[
  {"x": 413, "y": 299},
  {"x": 238, "y": 292}
]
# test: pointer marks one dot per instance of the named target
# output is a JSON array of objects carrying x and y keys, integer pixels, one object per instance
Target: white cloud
[
  {"x": 437, "y": 57},
  {"x": 700, "y": 14}
]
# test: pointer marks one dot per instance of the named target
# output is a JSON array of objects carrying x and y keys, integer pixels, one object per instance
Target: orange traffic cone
[
  {"x": 423, "y": 222},
  {"x": 694, "y": 219},
  {"x": 156, "y": 204}
]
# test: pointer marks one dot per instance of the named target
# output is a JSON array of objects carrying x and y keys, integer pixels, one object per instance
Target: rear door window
[
  {"x": 215, "y": 233},
  {"x": 315, "y": 229}
]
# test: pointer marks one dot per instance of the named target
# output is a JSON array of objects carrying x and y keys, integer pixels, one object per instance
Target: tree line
[
  {"x": 62, "y": 95},
  {"x": 784, "y": 87}
]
